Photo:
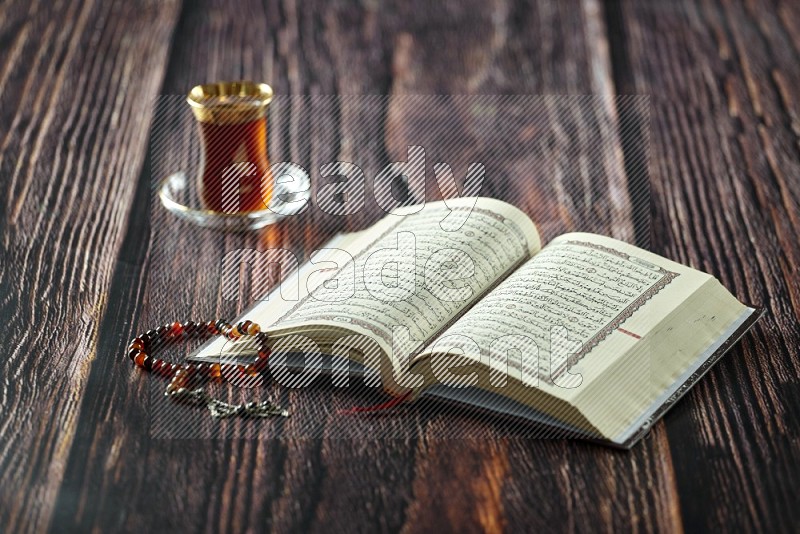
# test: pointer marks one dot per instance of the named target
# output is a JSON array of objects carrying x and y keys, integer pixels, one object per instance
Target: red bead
[
  {"x": 167, "y": 370},
  {"x": 175, "y": 330},
  {"x": 190, "y": 328},
  {"x": 184, "y": 376}
]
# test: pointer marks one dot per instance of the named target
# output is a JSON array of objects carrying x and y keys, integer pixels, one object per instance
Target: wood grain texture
[
  {"x": 314, "y": 484},
  {"x": 86, "y": 444},
  {"x": 726, "y": 199},
  {"x": 243, "y": 483},
  {"x": 75, "y": 79}
]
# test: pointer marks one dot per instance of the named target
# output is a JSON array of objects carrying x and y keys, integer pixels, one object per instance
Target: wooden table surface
[{"x": 84, "y": 266}]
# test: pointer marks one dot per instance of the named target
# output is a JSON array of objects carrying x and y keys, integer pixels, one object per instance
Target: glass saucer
[{"x": 291, "y": 192}]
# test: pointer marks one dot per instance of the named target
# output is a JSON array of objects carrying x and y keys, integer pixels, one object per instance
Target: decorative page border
[{"x": 625, "y": 314}]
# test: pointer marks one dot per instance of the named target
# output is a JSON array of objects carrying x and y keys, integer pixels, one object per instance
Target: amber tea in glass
[{"x": 235, "y": 174}]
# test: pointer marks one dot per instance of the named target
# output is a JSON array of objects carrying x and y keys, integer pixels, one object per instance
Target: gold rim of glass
[{"x": 227, "y": 102}]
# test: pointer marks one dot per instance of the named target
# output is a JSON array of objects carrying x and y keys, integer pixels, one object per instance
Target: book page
[
  {"x": 270, "y": 307},
  {"x": 547, "y": 320},
  {"x": 421, "y": 273}
]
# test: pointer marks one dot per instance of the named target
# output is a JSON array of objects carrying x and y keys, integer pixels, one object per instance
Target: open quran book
[{"x": 461, "y": 301}]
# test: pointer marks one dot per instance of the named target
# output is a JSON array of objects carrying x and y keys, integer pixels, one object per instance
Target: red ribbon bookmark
[
  {"x": 378, "y": 407},
  {"x": 628, "y": 332}
]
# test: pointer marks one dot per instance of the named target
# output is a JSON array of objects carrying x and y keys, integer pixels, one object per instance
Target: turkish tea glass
[{"x": 235, "y": 188}]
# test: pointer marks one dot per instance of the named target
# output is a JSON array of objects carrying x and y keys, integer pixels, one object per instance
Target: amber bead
[
  {"x": 174, "y": 385},
  {"x": 175, "y": 330},
  {"x": 189, "y": 375},
  {"x": 215, "y": 370},
  {"x": 180, "y": 380}
]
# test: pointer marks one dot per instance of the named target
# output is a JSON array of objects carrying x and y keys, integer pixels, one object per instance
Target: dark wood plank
[
  {"x": 517, "y": 483},
  {"x": 241, "y": 483},
  {"x": 112, "y": 466},
  {"x": 297, "y": 483},
  {"x": 76, "y": 80},
  {"x": 726, "y": 199}
]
